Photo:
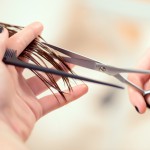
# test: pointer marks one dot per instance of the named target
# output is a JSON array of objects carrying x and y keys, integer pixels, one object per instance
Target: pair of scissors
[
  {"x": 10, "y": 58},
  {"x": 89, "y": 63}
]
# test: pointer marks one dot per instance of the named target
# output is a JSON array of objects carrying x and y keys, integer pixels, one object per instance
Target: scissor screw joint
[{"x": 102, "y": 69}]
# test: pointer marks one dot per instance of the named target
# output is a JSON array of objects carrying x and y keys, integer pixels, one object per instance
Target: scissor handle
[
  {"x": 126, "y": 81},
  {"x": 146, "y": 92}
]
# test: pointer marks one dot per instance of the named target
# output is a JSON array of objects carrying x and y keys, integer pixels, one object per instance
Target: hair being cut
[{"x": 38, "y": 53}]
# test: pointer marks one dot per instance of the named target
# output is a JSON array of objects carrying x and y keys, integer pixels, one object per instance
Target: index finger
[{"x": 23, "y": 38}]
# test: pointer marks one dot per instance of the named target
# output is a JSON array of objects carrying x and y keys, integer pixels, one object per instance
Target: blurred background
[{"x": 115, "y": 32}]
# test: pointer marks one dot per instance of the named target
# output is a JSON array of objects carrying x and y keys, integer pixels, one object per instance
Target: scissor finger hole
[{"x": 147, "y": 93}]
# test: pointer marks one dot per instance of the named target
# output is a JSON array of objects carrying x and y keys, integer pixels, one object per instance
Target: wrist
[
  {"x": 9, "y": 140},
  {"x": 17, "y": 123},
  {"x": 5, "y": 128},
  {"x": 8, "y": 122}
]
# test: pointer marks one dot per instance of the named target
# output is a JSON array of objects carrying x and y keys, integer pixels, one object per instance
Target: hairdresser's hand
[
  {"x": 142, "y": 80},
  {"x": 19, "y": 107}
]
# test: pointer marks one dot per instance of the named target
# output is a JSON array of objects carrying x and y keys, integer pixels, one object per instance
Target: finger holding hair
[
  {"x": 23, "y": 38},
  {"x": 50, "y": 102}
]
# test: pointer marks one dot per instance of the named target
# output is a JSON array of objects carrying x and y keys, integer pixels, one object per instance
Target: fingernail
[
  {"x": 1, "y": 29},
  {"x": 137, "y": 109}
]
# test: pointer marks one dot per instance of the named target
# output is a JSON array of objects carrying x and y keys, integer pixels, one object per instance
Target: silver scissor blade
[
  {"x": 120, "y": 70},
  {"x": 67, "y": 52},
  {"x": 77, "y": 59},
  {"x": 93, "y": 64},
  {"x": 110, "y": 70},
  {"x": 114, "y": 70},
  {"x": 83, "y": 63}
]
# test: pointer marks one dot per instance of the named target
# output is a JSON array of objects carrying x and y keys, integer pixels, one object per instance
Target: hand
[
  {"x": 19, "y": 107},
  {"x": 142, "y": 80}
]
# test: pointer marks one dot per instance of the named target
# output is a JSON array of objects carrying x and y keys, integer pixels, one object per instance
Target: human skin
[
  {"x": 142, "y": 80},
  {"x": 19, "y": 107}
]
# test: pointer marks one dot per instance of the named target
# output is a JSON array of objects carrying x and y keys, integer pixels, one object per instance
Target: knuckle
[
  {"x": 19, "y": 42},
  {"x": 32, "y": 32}
]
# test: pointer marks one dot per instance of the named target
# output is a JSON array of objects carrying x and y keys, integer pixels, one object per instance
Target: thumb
[{"x": 3, "y": 41}]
